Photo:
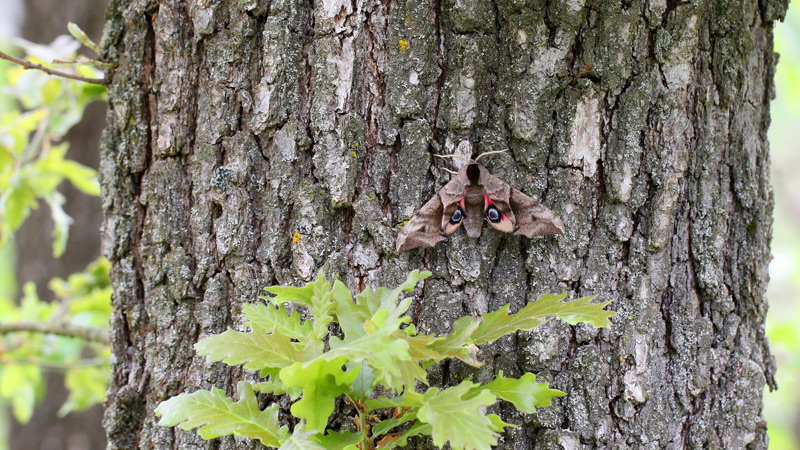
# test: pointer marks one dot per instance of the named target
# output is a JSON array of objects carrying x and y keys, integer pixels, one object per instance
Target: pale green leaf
[
  {"x": 384, "y": 298},
  {"x": 19, "y": 383},
  {"x": 458, "y": 343},
  {"x": 218, "y": 415},
  {"x": 82, "y": 177},
  {"x": 385, "y": 426},
  {"x": 302, "y": 440},
  {"x": 498, "y": 424},
  {"x": 321, "y": 382},
  {"x": 268, "y": 319},
  {"x": 257, "y": 350},
  {"x": 346, "y": 440},
  {"x": 499, "y": 323},
  {"x": 416, "y": 429},
  {"x": 78, "y": 34},
  {"x": 386, "y": 355},
  {"x": 458, "y": 419},
  {"x": 524, "y": 393},
  {"x": 365, "y": 382},
  {"x": 271, "y": 387},
  {"x": 87, "y": 387},
  {"x": 409, "y": 399}
]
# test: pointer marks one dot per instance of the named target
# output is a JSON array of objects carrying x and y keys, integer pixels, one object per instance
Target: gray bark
[{"x": 233, "y": 125}]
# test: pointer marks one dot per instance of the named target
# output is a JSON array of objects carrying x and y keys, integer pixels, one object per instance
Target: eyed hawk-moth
[{"x": 472, "y": 195}]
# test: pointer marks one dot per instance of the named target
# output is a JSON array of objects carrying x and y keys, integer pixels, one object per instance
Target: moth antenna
[
  {"x": 490, "y": 153},
  {"x": 448, "y": 170},
  {"x": 452, "y": 156}
]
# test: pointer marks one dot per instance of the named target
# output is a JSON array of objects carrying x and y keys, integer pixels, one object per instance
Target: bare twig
[
  {"x": 55, "y": 365},
  {"x": 29, "y": 65},
  {"x": 59, "y": 329}
]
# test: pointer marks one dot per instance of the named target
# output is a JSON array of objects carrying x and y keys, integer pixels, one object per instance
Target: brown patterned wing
[
  {"x": 498, "y": 192},
  {"x": 533, "y": 218},
  {"x": 427, "y": 227}
]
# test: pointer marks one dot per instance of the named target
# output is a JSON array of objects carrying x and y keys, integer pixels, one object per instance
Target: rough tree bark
[{"x": 234, "y": 125}]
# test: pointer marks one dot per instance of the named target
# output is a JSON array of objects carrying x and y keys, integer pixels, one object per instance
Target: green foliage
[
  {"x": 377, "y": 364},
  {"x": 36, "y": 112},
  {"x": 39, "y": 110},
  {"x": 85, "y": 302},
  {"x": 782, "y": 407}
]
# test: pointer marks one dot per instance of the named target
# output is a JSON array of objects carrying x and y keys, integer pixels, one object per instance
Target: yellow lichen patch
[
  {"x": 403, "y": 45},
  {"x": 296, "y": 238},
  {"x": 355, "y": 155}
]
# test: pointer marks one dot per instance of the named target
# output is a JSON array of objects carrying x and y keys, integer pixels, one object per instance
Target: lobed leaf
[
  {"x": 346, "y": 440},
  {"x": 409, "y": 399},
  {"x": 321, "y": 382},
  {"x": 387, "y": 356},
  {"x": 217, "y": 415},
  {"x": 456, "y": 417},
  {"x": 389, "y": 442},
  {"x": 384, "y": 426},
  {"x": 499, "y": 323},
  {"x": 301, "y": 440},
  {"x": 524, "y": 393},
  {"x": 257, "y": 350},
  {"x": 456, "y": 344},
  {"x": 353, "y": 315},
  {"x": 268, "y": 319}
]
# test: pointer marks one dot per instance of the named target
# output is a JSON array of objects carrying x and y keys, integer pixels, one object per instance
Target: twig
[
  {"x": 29, "y": 65},
  {"x": 59, "y": 329},
  {"x": 55, "y": 365}
]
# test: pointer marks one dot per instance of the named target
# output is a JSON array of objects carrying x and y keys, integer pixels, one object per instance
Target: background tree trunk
[{"x": 233, "y": 125}]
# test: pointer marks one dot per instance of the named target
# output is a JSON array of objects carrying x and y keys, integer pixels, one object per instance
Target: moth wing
[
  {"x": 533, "y": 218},
  {"x": 499, "y": 193},
  {"x": 451, "y": 195},
  {"x": 426, "y": 227}
]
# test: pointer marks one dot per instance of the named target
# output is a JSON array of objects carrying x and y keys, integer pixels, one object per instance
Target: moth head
[{"x": 473, "y": 173}]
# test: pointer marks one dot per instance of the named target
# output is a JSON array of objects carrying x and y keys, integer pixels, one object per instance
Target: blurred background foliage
[
  {"x": 783, "y": 406},
  {"x": 66, "y": 331},
  {"x": 36, "y": 111}
]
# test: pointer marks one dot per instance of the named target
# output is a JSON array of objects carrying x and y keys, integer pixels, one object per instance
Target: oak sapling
[{"x": 377, "y": 365}]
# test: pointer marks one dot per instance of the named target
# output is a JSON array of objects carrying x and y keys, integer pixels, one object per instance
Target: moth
[{"x": 470, "y": 197}]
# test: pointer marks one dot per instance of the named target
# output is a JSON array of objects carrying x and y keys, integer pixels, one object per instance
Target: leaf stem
[
  {"x": 29, "y": 65},
  {"x": 59, "y": 329}
]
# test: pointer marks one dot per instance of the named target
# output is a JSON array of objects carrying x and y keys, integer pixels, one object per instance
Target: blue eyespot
[
  {"x": 493, "y": 214},
  {"x": 456, "y": 217}
]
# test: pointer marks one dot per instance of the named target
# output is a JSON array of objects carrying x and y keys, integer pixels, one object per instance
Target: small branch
[
  {"x": 29, "y": 65},
  {"x": 59, "y": 329}
]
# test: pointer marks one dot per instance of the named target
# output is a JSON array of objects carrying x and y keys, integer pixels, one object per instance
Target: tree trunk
[{"x": 235, "y": 125}]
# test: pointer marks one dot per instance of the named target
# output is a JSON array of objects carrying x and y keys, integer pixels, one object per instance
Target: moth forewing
[{"x": 534, "y": 219}]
